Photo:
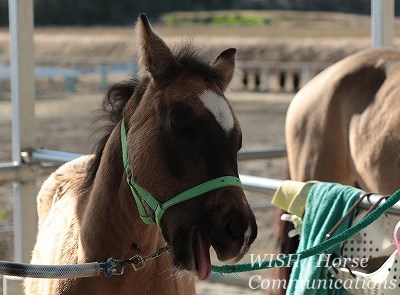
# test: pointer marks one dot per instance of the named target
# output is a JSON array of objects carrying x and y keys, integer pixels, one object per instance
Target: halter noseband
[{"x": 158, "y": 208}]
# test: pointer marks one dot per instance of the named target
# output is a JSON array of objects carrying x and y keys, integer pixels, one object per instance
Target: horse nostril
[{"x": 233, "y": 229}]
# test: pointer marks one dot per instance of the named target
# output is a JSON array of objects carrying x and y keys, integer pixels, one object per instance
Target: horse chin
[
  {"x": 238, "y": 257},
  {"x": 193, "y": 255}
]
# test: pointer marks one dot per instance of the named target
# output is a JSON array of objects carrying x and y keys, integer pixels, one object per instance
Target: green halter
[{"x": 140, "y": 194}]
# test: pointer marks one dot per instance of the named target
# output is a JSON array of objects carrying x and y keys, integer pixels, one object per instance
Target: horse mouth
[{"x": 201, "y": 254}]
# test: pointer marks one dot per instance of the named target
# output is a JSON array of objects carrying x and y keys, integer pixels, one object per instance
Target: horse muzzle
[{"x": 234, "y": 225}]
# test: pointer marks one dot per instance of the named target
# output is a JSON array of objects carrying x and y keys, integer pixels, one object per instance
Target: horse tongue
[{"x": 202, "y": 256}]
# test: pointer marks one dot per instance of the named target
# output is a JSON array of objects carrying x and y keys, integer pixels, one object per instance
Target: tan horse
[
  {"x": 181, "y": 132},
  {"x": 344, "y": 125}
]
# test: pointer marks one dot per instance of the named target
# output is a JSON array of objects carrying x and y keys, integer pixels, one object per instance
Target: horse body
[
  {"x": 343, "y": 126},
  {"x": 180, "y": 132}
]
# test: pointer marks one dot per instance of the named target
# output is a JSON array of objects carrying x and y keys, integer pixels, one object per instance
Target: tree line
[{"x": 121, "y": 12}]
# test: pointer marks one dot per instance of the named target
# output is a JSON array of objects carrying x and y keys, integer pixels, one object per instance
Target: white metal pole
[
  {"x": 23, "y": 122},
  {"x": 382, "y": 22},
  {"x": 23, "y": 129}
]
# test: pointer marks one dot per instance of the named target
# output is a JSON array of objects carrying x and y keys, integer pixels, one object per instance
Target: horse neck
[{"x": 111, "y": 223}]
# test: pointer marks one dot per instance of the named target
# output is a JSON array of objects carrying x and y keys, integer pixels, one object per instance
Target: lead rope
[
  {"x": 111, "y": 267},
  {"x": 116, "y": 267}
]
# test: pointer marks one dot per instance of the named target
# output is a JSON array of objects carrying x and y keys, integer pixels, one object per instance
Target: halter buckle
[{"x": 137, "y": 262}]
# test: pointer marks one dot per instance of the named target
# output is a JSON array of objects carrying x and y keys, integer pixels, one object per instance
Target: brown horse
[
  {"x": 344, "y": 125},
  {"x": 181, "y": 132}
]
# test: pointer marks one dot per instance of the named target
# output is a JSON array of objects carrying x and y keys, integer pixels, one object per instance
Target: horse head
[{"x": 181, "y": 132}]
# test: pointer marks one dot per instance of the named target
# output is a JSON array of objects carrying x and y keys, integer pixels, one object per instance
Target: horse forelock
[
  {"x": 189, "y": 57},
  {"x": 188, "y": 60}
]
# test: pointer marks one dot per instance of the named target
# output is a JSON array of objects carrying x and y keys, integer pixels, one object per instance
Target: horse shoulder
[
  {"x": 58, "y": 234},
  {"x": 57, "y": 202},
  {"x": 67, "y": 177}
]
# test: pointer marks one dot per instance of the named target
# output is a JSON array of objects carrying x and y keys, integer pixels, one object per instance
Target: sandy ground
[
  {"x": 306, "y": 37},
  {"x": 64, "y": 124}
]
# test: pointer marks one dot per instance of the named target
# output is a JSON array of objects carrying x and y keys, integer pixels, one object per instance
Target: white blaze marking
[{"x": 218, "y": 106}]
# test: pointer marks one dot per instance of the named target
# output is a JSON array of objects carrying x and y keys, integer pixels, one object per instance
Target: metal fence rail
[
  {"x": 266, "y": 153},
  {"x": 43, "y": 161}
]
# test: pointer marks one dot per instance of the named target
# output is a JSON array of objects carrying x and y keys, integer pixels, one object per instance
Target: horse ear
[
  {"x": 225, "y": 65},
  {"x": 154, "y": 55}
]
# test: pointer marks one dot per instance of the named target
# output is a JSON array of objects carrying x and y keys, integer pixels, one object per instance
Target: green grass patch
[
  {"x": 4, "y": 214},
  {"x": 225, "y": 18}
]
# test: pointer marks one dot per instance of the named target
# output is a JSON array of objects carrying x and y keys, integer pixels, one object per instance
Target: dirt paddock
[{"x": 65, "y": 124}]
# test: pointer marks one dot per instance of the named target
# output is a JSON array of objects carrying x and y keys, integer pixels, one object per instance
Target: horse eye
[
  {"x": 182, "y": 119},
  {"x": 179, "y": 126}
]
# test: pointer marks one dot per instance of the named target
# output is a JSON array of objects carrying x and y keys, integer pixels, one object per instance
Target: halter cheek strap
[{"x": 141, "y": 195}]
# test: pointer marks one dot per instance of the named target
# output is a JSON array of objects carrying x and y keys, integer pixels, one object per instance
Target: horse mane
[
  {"x": 187, "y": 57},
  {"x": 110, "y": 114}
]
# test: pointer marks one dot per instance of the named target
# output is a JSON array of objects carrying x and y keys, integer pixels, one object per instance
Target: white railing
[
  {"x": 41, "y": 161},
  {"x": 257, "y": 75}
]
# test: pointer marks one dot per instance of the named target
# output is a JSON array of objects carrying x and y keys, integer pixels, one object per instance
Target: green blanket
[{"x": 326, "y": 204}]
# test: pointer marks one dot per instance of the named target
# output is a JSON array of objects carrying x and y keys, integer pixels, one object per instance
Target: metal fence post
[
  {"x": 23, "y": 131},
  {"x": 382, "y": 23},
  {"x": 305, "y": 74}
]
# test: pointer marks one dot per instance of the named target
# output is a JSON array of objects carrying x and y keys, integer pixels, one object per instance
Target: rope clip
[{"x": 113, "y": 268}]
